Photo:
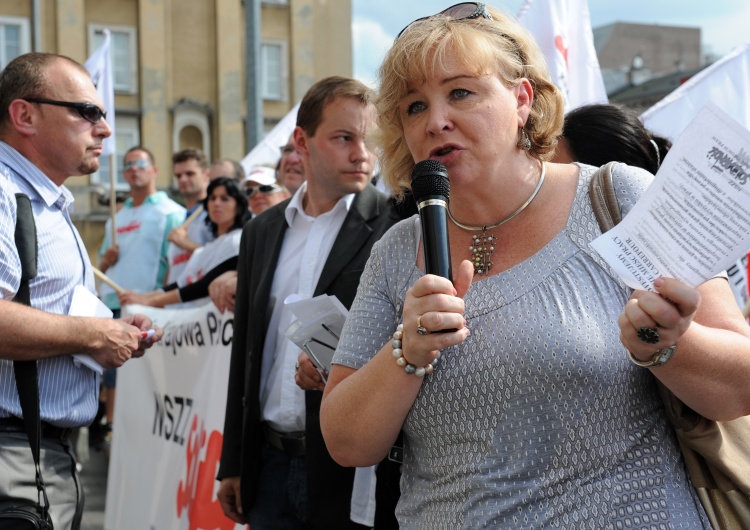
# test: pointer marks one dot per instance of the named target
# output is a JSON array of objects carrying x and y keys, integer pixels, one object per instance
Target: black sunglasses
[
  {"x": 87, "y": 111},
  {"x": 462, "y": 11},
  {"x": 265, "y": 189}
]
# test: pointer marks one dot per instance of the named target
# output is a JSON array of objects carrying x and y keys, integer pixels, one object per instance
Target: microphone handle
[
  {"x": 434, "y": 219},
  {"x": 433, "y": 215}
]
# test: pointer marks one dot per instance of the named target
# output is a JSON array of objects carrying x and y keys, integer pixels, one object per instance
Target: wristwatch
[{"x": 660, "y": 358}]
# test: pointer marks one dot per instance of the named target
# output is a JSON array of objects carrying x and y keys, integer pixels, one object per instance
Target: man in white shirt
[{"x": 275, "y": 469}]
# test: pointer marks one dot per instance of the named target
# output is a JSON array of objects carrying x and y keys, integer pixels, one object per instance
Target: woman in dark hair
[
  {"x": 232, "y": 191},
  {"x": 227, "y": 211},
  {"x": 597, "y": 134}
]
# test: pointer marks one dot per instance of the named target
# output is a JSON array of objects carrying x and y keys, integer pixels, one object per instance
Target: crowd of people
[{"x": 520, "y": 393}]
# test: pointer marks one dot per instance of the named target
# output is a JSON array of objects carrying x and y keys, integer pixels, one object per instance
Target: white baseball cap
[{"x": 262, "y": 175}]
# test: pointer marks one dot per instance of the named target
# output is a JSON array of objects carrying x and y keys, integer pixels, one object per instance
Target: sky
[{"x": 723, "y": 23}]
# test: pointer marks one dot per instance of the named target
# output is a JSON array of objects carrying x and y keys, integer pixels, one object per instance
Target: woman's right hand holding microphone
[{"x": 434, "y": 304}]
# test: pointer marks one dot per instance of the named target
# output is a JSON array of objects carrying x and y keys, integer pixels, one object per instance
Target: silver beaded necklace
[{"x": 483, "y": 244}]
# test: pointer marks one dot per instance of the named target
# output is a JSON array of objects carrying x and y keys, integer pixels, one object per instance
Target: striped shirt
[{"x": 68, "y": 393}]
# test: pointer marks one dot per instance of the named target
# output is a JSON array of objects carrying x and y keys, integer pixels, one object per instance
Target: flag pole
[
  {"x": 113, "y": 197},
  {"x": 193, "y": 216},
  {"x": 106, "y": 279}
]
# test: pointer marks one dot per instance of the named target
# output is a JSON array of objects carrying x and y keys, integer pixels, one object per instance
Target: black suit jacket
[{"x": 329, "y": 485}]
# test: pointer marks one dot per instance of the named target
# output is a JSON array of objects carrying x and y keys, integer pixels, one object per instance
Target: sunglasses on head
[
  {"x": 462, "y": 11},
  {"x": 87, "y": 111},
  {"x": 135, "y": 164},
  {"x": 265, "y": 189}
]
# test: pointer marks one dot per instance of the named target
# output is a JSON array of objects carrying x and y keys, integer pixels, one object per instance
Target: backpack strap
[{"x": 603, "y": 198}]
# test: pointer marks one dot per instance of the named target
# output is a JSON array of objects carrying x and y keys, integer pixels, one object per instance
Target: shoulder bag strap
[{"x": 27, "y": 379}]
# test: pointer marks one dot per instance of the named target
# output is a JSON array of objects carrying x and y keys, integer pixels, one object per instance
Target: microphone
[{"x": 431, "y": 189}]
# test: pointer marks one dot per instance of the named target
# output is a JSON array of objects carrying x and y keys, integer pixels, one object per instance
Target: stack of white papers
[
  {"x": 317, "y": 327},
  {"x": 693, "y": 222}
]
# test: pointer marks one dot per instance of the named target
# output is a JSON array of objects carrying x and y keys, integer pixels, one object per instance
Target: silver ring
[
  {"x": 296, "y": 366},
  {"x": 420, "y": 328}
]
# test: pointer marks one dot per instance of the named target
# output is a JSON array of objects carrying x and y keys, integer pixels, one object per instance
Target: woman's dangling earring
[{"x": 523, "y": 140}]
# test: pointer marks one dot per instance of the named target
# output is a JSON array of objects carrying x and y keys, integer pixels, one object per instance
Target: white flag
[
  {"x": 99, "y": 66},
  {"x": 268, "y": 151},
  {"x": 562, "y": 28},
  {"x": 726, "y": 84}
]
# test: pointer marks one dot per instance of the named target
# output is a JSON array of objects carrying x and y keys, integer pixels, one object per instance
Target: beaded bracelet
[{"x": 398, "y": 354}]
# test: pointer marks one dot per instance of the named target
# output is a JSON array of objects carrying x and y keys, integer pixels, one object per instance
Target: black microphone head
[{"x": 430, "y": 178}]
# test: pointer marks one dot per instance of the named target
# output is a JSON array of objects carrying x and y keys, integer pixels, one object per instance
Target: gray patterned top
[{"x": 537, "y": 420}]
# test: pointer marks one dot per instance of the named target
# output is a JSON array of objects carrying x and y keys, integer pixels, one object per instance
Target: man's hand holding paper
[
  {"x": 307, "y": 375},
  {"x": 316, "y": 331}
]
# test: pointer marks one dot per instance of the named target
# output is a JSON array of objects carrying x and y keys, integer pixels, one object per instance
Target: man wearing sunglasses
[
  {"x": 275, "y": 470},
  {"x": 51, "y": 127},
  {"x": 139, "y": 261},
  {"x": 262, "y": 189}
]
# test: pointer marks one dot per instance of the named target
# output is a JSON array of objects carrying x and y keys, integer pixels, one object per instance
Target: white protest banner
[
  {"x": 694, "y": 219},
  {"x": 169, "y": 419},
  {"x": 562, "y": 28}
]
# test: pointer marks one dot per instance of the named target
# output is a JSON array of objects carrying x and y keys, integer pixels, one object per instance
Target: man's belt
[
  {"x": 291, "y": 443},
  {"x": 49, "y": 432}
]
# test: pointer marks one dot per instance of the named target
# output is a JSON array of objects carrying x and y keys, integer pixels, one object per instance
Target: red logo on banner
[{"x": 195, "y": 493}]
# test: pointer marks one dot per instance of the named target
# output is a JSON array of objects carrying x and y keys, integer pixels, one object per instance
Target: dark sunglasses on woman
[{"x": 462, "y": 11}]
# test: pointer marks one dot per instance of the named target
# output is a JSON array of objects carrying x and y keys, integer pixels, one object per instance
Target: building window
[
  {"x": 127, "y": 135},
  {"x": 274, "y": 74},
  {"x": 123, "y": 46},
  {"x": 14, "y": 38}
]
